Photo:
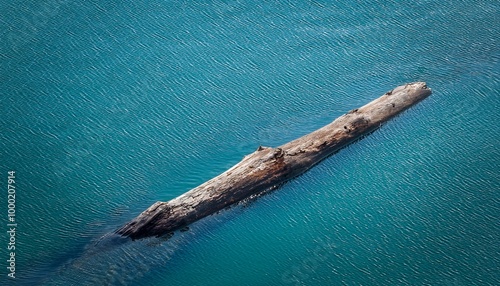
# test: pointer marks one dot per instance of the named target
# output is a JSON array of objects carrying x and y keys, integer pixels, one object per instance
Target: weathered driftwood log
[{"x": 267, "y": 168}]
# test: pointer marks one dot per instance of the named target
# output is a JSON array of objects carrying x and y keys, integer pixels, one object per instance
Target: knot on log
[
  {"x": 278, "y": 153},
  {"x": 262, "y": 148},
  {"x": 358, "y": 123}
]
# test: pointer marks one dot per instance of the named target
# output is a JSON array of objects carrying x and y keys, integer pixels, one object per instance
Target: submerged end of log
[{"x": 267, "y": 168}]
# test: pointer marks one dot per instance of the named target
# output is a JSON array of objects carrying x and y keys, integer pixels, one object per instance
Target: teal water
[{"x": 108, "y": 107}]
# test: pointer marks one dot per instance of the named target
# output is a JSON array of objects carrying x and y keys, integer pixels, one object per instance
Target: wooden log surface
[{"x": 267, "y": 168}]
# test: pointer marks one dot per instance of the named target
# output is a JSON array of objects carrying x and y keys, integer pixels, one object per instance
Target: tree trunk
[{"x": 267, "y": 168}]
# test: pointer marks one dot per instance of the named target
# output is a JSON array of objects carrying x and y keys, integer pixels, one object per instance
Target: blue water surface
[{"x": 110, "y": 106}]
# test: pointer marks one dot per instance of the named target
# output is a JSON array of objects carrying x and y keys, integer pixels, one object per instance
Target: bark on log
[{"x": 267, "y": 168}]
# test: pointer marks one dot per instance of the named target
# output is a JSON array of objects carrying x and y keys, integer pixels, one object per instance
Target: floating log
[{"x": 267, "y": 168}]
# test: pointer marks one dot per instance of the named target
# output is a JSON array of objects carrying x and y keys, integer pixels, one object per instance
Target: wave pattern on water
[{"x": 107, "y": 107}]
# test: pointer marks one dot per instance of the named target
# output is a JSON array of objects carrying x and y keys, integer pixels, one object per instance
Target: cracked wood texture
[{"x": 267, "y": 168}]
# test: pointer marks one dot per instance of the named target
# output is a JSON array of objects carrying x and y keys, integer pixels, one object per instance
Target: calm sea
[{"x": 109, "y": 106}]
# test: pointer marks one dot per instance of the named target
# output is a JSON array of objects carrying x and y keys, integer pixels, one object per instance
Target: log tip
[
  {"x": 422, "y": 88},
  {"x": 419, "y": 85},
  {"x": 144, "y": 223},
  {"x": 419, "y": 90}
]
